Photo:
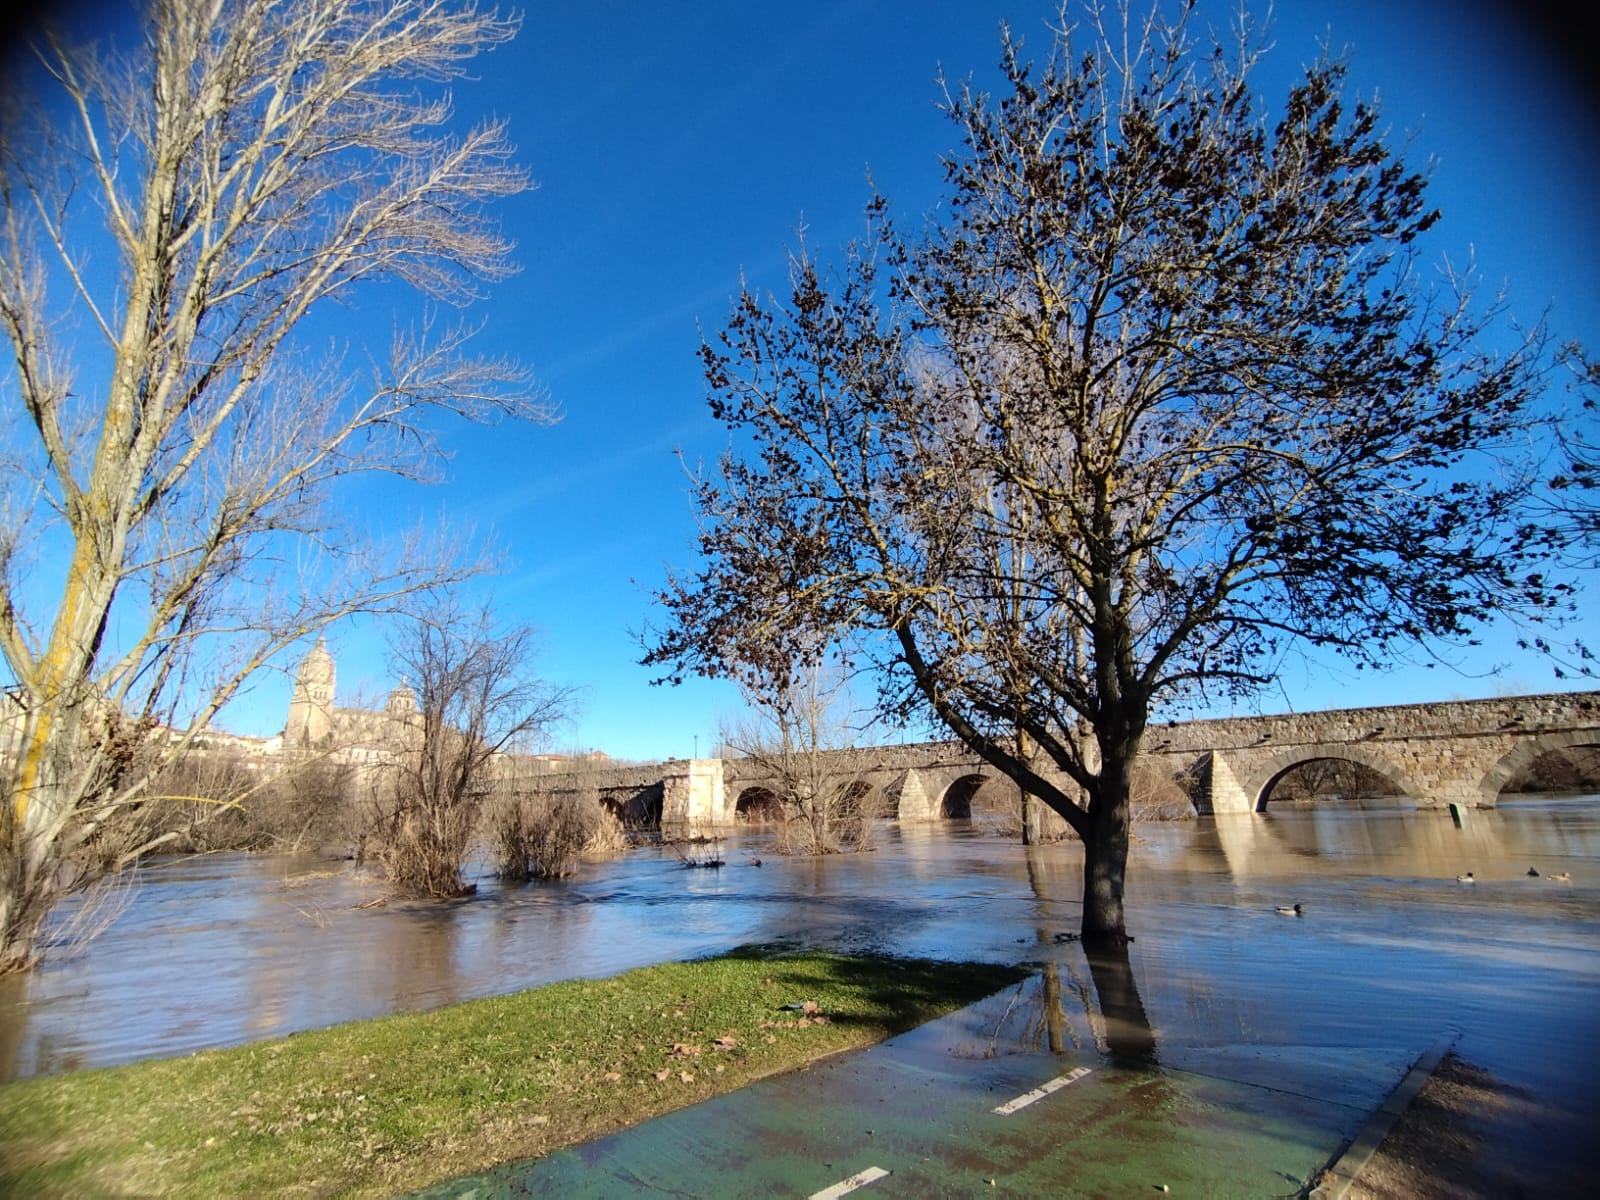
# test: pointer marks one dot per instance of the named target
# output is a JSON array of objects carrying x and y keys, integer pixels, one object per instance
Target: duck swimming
[
  {"x": 1467, "y": 878},
  {"x": 1290, "y": 910}
]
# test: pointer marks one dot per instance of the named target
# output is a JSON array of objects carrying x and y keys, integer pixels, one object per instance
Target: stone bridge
[{"x": 1457, "y": 752}]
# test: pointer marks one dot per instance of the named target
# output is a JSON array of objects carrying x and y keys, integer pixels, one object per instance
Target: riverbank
[{"x": 379, "y": 1107}]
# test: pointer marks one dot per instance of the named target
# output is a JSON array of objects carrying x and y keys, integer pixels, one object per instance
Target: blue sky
[{"x": 679, "y": 145}]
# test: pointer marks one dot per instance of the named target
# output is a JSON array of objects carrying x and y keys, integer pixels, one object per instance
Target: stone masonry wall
[{"x": 1455, "y": 751}]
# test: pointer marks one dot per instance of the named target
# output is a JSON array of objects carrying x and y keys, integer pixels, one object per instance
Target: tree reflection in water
[
  {"x": 1129, "y": 1040},
  {"x": 1124, "y": 1026},
  {"x": 1053, "y": 1016}
]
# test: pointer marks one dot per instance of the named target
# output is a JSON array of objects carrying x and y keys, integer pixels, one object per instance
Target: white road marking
[
  {"x": 1040, "y": 1092},
  {"x": 845, "y": 1186}
]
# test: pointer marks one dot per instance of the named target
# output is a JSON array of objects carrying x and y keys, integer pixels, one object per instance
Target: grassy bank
[{"x": 378, "y": 1107}]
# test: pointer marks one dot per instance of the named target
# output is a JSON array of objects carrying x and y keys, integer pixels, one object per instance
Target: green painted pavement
[{"x": 1237, "y": 1120}]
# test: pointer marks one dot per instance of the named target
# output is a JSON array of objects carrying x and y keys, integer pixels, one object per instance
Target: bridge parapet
[
  {"x": 1445, "y": 719},
  {"x": 1454, "y": 752},
  {"x": 634, "y": 793}
]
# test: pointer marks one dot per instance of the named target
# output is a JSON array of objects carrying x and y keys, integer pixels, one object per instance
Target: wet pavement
[{"x": 965, "y": 1106}]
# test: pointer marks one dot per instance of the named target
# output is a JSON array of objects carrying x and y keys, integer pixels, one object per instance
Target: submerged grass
[{"x": 378, "y": 1107}]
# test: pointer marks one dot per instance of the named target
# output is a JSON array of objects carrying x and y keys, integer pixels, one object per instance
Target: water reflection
[
  {"x": 1129, "y": 1040},
  {"x": 1118, "y": 1014},
  {"x": 1054, "y": 1023},
  {"x": 227, "y": 949}
]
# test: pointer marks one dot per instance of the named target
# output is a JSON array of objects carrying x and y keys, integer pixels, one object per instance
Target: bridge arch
[
  {"x": 863, "y": 797},
  {"x": 1525, "y": 753},
  {"x": 758, "y": 804},
  {"x": 957, "y": 799},
  {"x": 1258, "y": 786},
  {"x": 633, "y": 807}
]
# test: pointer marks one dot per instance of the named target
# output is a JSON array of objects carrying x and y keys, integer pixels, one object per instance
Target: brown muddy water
[{"x": 1391, "y": 949}]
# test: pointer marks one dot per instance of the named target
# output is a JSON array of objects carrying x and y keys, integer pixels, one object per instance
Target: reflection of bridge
[{"x": 1456, "y": 752}]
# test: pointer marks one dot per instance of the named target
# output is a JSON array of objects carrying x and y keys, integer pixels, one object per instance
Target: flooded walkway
[
  {"x": 1389, "y": 951},
  {"x": 964, "y": 1107}
]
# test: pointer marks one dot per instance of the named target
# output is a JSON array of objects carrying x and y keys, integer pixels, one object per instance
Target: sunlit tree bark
[
  {"x": 171, "y": 216},
  {"x": 1155, "y": 399}
]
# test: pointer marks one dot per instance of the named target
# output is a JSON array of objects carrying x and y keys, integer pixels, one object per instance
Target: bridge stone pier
[{"x": 1457, "y": 752}]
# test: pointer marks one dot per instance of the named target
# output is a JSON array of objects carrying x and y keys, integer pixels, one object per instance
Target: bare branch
[{"x": 1156, "y": 397}]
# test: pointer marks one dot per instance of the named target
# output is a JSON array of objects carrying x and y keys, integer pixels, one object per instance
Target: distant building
[
  {"x": 316, "y": 725},
  {"x": 563, "y": 762},
  {"x": 313, "y": 726}
]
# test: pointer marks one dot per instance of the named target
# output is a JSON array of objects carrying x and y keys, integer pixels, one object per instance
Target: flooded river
[{"x": 1391, "y": 949}]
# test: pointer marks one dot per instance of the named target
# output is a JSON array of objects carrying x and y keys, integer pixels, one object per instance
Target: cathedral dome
[{"x": 402, "y": 701}]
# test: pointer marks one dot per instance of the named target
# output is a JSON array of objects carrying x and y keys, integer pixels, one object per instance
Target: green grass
[{"x": 379, "y": 1107}]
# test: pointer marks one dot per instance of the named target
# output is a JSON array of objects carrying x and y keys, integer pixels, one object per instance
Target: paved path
[{"x": 917, "y": 1116}]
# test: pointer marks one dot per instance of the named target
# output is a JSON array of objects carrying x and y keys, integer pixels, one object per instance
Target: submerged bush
[
  {"x": 420, "y": 845},
  {"x": 215, "y": 800},
  {"x": 543, "y": 835}
]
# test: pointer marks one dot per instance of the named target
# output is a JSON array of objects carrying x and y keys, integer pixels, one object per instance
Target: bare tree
[
  {"x": 475, "y": 697},
  {"x": 184, "y": 207},
  {"x": 1568, "y": 515},
  {"x": 1155, "y": 398},
  {"x": 796, "y": 735},
  {"x": 541, "y": 827},
  {"x": 212, "y": 799}
]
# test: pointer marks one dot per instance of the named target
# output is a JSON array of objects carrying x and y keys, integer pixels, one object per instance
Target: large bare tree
[
  {"x": 173, "y": 213},
  {"x": 1155, "y": 397}
]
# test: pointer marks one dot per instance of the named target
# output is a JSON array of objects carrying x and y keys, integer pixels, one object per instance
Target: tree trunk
[
  {"x": 28, "y": 889},
  {"x": 1105, "y": 849},
  {"x": 1105, "y": 864},
  {"x": 1032, "y": 818}
]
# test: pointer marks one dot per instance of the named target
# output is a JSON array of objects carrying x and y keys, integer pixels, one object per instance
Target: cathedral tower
[{"x": 311, "y": 707}]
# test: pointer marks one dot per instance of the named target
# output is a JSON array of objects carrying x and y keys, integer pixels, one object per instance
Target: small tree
[
  {"x": 170, "y": 217},
  {"x": 311, "y": 805},
  {"x": 795, "y": 737},
  {"x": 205, "y": 801},
  {"x": 1156, "y": 398},
  {"x": 475, "y": 698}
]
